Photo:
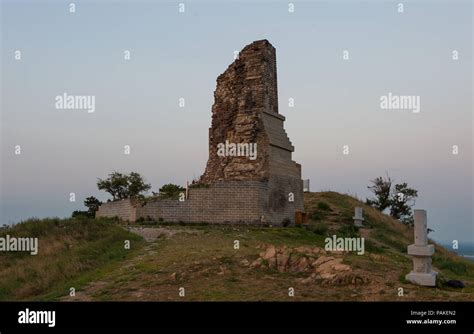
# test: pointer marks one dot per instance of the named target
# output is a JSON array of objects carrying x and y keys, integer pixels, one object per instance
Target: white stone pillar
[
  {"x": 358, "y": 217},
  {"x": 422, "y": 273}
]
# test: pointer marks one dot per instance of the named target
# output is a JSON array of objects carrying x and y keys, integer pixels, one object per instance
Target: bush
[
  {"x": 324, "y": 206},
  {"x": 316, "y": 215},
  {"x": 320, "y": 228},
  {"x": 348, "y": 230},
  {"x": 286, "y": 222},
  {"x": 171, "y": 191},
  {"x": 81, "y": 214},
  {"x": 456, "y": 267}
]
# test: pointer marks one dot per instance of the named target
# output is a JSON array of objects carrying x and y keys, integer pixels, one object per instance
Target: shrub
[
  {"x": 80, "y": 214},
  {"x": 316, "y": 215},
  {"x": 324, "y": 206},
  {"x": 348, "y": 230},
  {"x": 456, "y": 267},
  {"x": 286, "y": 222},
  {"x": 320, "y": 229},
  {"x": 171, "y": 191}
]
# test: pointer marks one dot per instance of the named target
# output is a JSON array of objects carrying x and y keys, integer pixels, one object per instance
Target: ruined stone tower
[
  {"x": 245, "y": 110},
  {"x": 237, "y": 188}
]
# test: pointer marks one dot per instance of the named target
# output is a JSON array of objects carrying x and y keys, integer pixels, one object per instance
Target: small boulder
[
  {"x": 245, "y": 262},
  {"x": 327, "y": 276},
  {"x": 321, "y": 260},
  {"x": 282, "y": 261},
  {"x": 341, "y": 267},
  {"x": 301, "y": 264},
  {"x": 272, "y": 262},
  {"x": 303, "y": 250},
  {"x": 268, "y": 253},
  {"x": 257, "y": 263},
  {"x": 222, "y": 270},
  {"x": 328, "y": 266}
]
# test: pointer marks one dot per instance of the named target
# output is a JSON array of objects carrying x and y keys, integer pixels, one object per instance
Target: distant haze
[{"x": 174, "y": 55}]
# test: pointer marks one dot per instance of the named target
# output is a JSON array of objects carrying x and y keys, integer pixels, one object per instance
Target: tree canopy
[{"x": 122, "y": 186}]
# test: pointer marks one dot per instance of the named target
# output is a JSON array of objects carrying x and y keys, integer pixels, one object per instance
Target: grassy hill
[
  {"x": 89, "y": 255},
  {"x": 71, "y": 253}
]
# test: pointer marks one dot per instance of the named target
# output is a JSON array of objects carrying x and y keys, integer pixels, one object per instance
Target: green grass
[
  {"x": 454, "y": 267},
  {"x": 76, "y": 253},
  {"x": 71, "y": 252}
]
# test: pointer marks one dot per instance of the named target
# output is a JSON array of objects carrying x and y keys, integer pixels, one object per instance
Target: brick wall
[
  {"x": 123, "y": 209},
  {"x": 277, "y": 205},
  {"x": 243, "y": 202}
]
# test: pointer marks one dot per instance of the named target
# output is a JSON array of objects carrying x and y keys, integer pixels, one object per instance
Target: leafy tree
[
  {"x": 403, "y": 198},
  {"x": 171, "y": 190},
  {"x": 122, "y": 186},
  {"x": 115, "y": 185},
  {"x": 92, "y": 204},
  {"x": 381, "y": 189},
  {"x": 399, "y": 200},
  {"x": 137, "y": 185}
]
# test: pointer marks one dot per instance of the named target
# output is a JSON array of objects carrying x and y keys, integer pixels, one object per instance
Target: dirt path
[{"x": 151, "y": 235}]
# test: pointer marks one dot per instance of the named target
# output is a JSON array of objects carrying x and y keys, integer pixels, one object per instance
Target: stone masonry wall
[
  {"x": 244, "y": 91},
  {"x": 243, "y": 202},
  {"x": 123, "y": 209},
  {"x": 221, "y": 202}
]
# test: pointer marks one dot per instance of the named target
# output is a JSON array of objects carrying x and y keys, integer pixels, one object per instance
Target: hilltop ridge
[{"x": 89, "y": 256}]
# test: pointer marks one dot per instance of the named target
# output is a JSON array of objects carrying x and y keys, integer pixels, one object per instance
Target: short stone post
[
  {"x": 306, "y": 185},
  {"x": 421, "y": 252},
  {"x": 359, "y": 217}
]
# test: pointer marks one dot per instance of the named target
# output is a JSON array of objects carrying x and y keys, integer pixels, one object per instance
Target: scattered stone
[
  {"x": 328, "y": 266},
  {"x": 282, "y": 261},
  {"x": 245, "y": 262},
  {"x": 300, "y": 265},
  {"x": 304, "y": 249},
  {"x": 327, "y": 276},
  {"x": 321, "y": 260},
  {"x": 341, "y": 267},
  {"x": 272, "y": 262},
  {"x": 222, "y": 270},
  {"x": 257, "y": 263},
  {"x": 327, "y": 269},
  {"x": 306, "y": 280},
  {"x": 269, "y": 253}
]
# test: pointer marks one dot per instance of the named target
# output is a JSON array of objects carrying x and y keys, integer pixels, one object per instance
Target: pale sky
[{"x": 177, "y": 55}]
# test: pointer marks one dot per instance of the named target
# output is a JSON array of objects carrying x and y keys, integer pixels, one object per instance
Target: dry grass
[
  {"x": 206, "y": 264},
  {"x": 68, "y": 249}
]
